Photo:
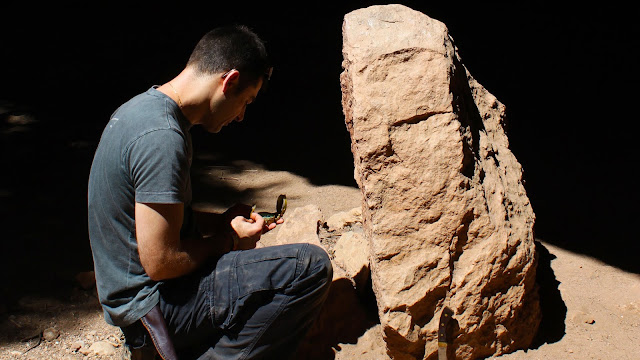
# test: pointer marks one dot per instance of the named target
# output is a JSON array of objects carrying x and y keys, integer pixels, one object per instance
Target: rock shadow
[
  {"x": 552, "y": 308},
  {"x": 346, "y": 315}
]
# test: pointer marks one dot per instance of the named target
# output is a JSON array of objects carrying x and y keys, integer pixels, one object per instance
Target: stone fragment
[
  {"x": 301, "y": 226},
  {"x": 50, "y": 334},
  {"x": 443, "y": 204},
  {"x": 351, "y": 253},
  {"x": 76, "y": 345},
  {"x": 344, "y": 219},
  {"x": 583, "y": 318},
  {"x": 84, "y": 350},
  {"x": 102, "y": 348},
  {"x": 86, "y": 279}
]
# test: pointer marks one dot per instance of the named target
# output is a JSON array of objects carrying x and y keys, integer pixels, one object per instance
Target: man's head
[{"x": 232, "y": 47}]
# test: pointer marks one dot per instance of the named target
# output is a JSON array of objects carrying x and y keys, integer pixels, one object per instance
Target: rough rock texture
[
  {"x": 444, "y": 209},
  {"x": 301, "y": 226}
]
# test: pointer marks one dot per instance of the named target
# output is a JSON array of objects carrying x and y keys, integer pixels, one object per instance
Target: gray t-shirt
[{"x": 144, "y": 156}]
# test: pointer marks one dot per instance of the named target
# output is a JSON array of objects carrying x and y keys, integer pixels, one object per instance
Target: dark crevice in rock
[
  {"x": 491, "y": 153},
  {"x": 462, "y": 237},
  {"x": 469, "y": 117},
  {"x": 389, "y": 256},
  {"x": 424, "y": 310},
  {"x": 418, "y": 118}
]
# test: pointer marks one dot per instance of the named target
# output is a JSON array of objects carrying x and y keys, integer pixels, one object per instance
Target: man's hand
[{"x": 248, "y": 230}]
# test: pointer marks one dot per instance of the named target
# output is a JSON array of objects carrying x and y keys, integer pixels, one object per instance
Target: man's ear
[{"x": 230, "y": 81}]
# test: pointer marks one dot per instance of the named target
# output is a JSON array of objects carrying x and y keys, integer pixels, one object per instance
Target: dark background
[{"x": 567, "y": 74}]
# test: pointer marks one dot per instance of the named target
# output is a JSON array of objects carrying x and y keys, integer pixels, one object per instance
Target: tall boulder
[{"x": 444, "y": 208}]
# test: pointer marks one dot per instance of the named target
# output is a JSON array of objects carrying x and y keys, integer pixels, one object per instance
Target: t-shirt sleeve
[{"x": 159, "y": 167}]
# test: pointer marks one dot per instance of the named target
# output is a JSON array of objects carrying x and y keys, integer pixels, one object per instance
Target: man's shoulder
[
  {"x": 145, "y": 109},
  {"x": 146, "y": 112}
]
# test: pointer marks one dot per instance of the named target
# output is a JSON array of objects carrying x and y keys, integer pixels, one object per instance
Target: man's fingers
[{"x": 257, "y": 219}]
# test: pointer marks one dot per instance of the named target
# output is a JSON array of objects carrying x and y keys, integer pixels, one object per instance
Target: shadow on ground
[{"x": 552, "y": 307}]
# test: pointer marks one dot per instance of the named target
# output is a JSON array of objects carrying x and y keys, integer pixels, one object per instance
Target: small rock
[
  {"x": 301, "y": 226},
  {"x": 76, "y": 345},
  {"x": 15, "y": 353},
  {"x": 581, "y": 317},
  {"x": 84, "y": 350},
  {"x": 343, "y": 219},
  {"x": 352, "y": 252},
  {"x": 86, "y": 280},
  {"x": 50, "y": 334},
  {"x": 102, "y": 348}
]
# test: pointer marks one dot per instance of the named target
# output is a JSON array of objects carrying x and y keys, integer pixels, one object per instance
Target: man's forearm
[
  {"x": 166, "y": 252},
  {"x": 192, "y": 252}
]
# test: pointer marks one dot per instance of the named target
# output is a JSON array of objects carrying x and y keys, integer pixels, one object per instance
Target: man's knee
[{"x": 320, "y": 264}]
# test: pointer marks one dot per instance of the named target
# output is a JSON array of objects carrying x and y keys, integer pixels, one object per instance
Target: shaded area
[
  {"x": 552, "y": 307},
  {"x": 43, "y": 208},
  {"x": 345, "y": 316}
]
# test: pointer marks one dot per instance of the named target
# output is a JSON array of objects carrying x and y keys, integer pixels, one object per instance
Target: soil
[{"x": 591, "y": 310}]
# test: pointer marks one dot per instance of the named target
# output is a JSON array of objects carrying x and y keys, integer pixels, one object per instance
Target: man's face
[{"x": 231, "y": 107}]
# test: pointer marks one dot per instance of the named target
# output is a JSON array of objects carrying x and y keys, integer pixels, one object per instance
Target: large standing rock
[{"x": 444, "y": 208}]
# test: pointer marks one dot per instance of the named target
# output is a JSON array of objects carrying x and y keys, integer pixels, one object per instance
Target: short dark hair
[{"x": 231, "y": 47}]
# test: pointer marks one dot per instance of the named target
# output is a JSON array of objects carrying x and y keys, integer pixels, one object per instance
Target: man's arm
[{"x": 163, "y": 253}]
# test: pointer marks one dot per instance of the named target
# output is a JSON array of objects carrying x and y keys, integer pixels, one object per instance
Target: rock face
[{"x": 444, "y": 209}]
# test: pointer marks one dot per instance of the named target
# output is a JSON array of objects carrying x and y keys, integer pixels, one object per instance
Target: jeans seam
[
  {"x": 208, "y": 292},
  {"x": 300, "y": 259},
  {"x": 232, "y": 280}
]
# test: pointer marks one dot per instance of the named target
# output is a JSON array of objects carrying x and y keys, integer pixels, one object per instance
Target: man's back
[{"x": 144, "y": 155}]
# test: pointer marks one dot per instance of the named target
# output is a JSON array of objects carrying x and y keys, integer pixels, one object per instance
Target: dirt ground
[{"x": 591, "y": 310}]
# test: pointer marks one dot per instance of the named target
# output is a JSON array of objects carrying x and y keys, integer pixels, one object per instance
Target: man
[{"x": 219, "y": 296}]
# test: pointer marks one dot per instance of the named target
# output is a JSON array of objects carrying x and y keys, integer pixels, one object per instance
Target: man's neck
[{"x": 192, "y": 92}]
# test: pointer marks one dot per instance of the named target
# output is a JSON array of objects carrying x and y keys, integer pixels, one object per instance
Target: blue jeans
[{"x": 253, "y": 304}]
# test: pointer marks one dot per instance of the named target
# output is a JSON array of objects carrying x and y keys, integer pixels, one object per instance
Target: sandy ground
[
  {"x": 591, "y": 310},
  {"x": 602, "y": 319}
]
